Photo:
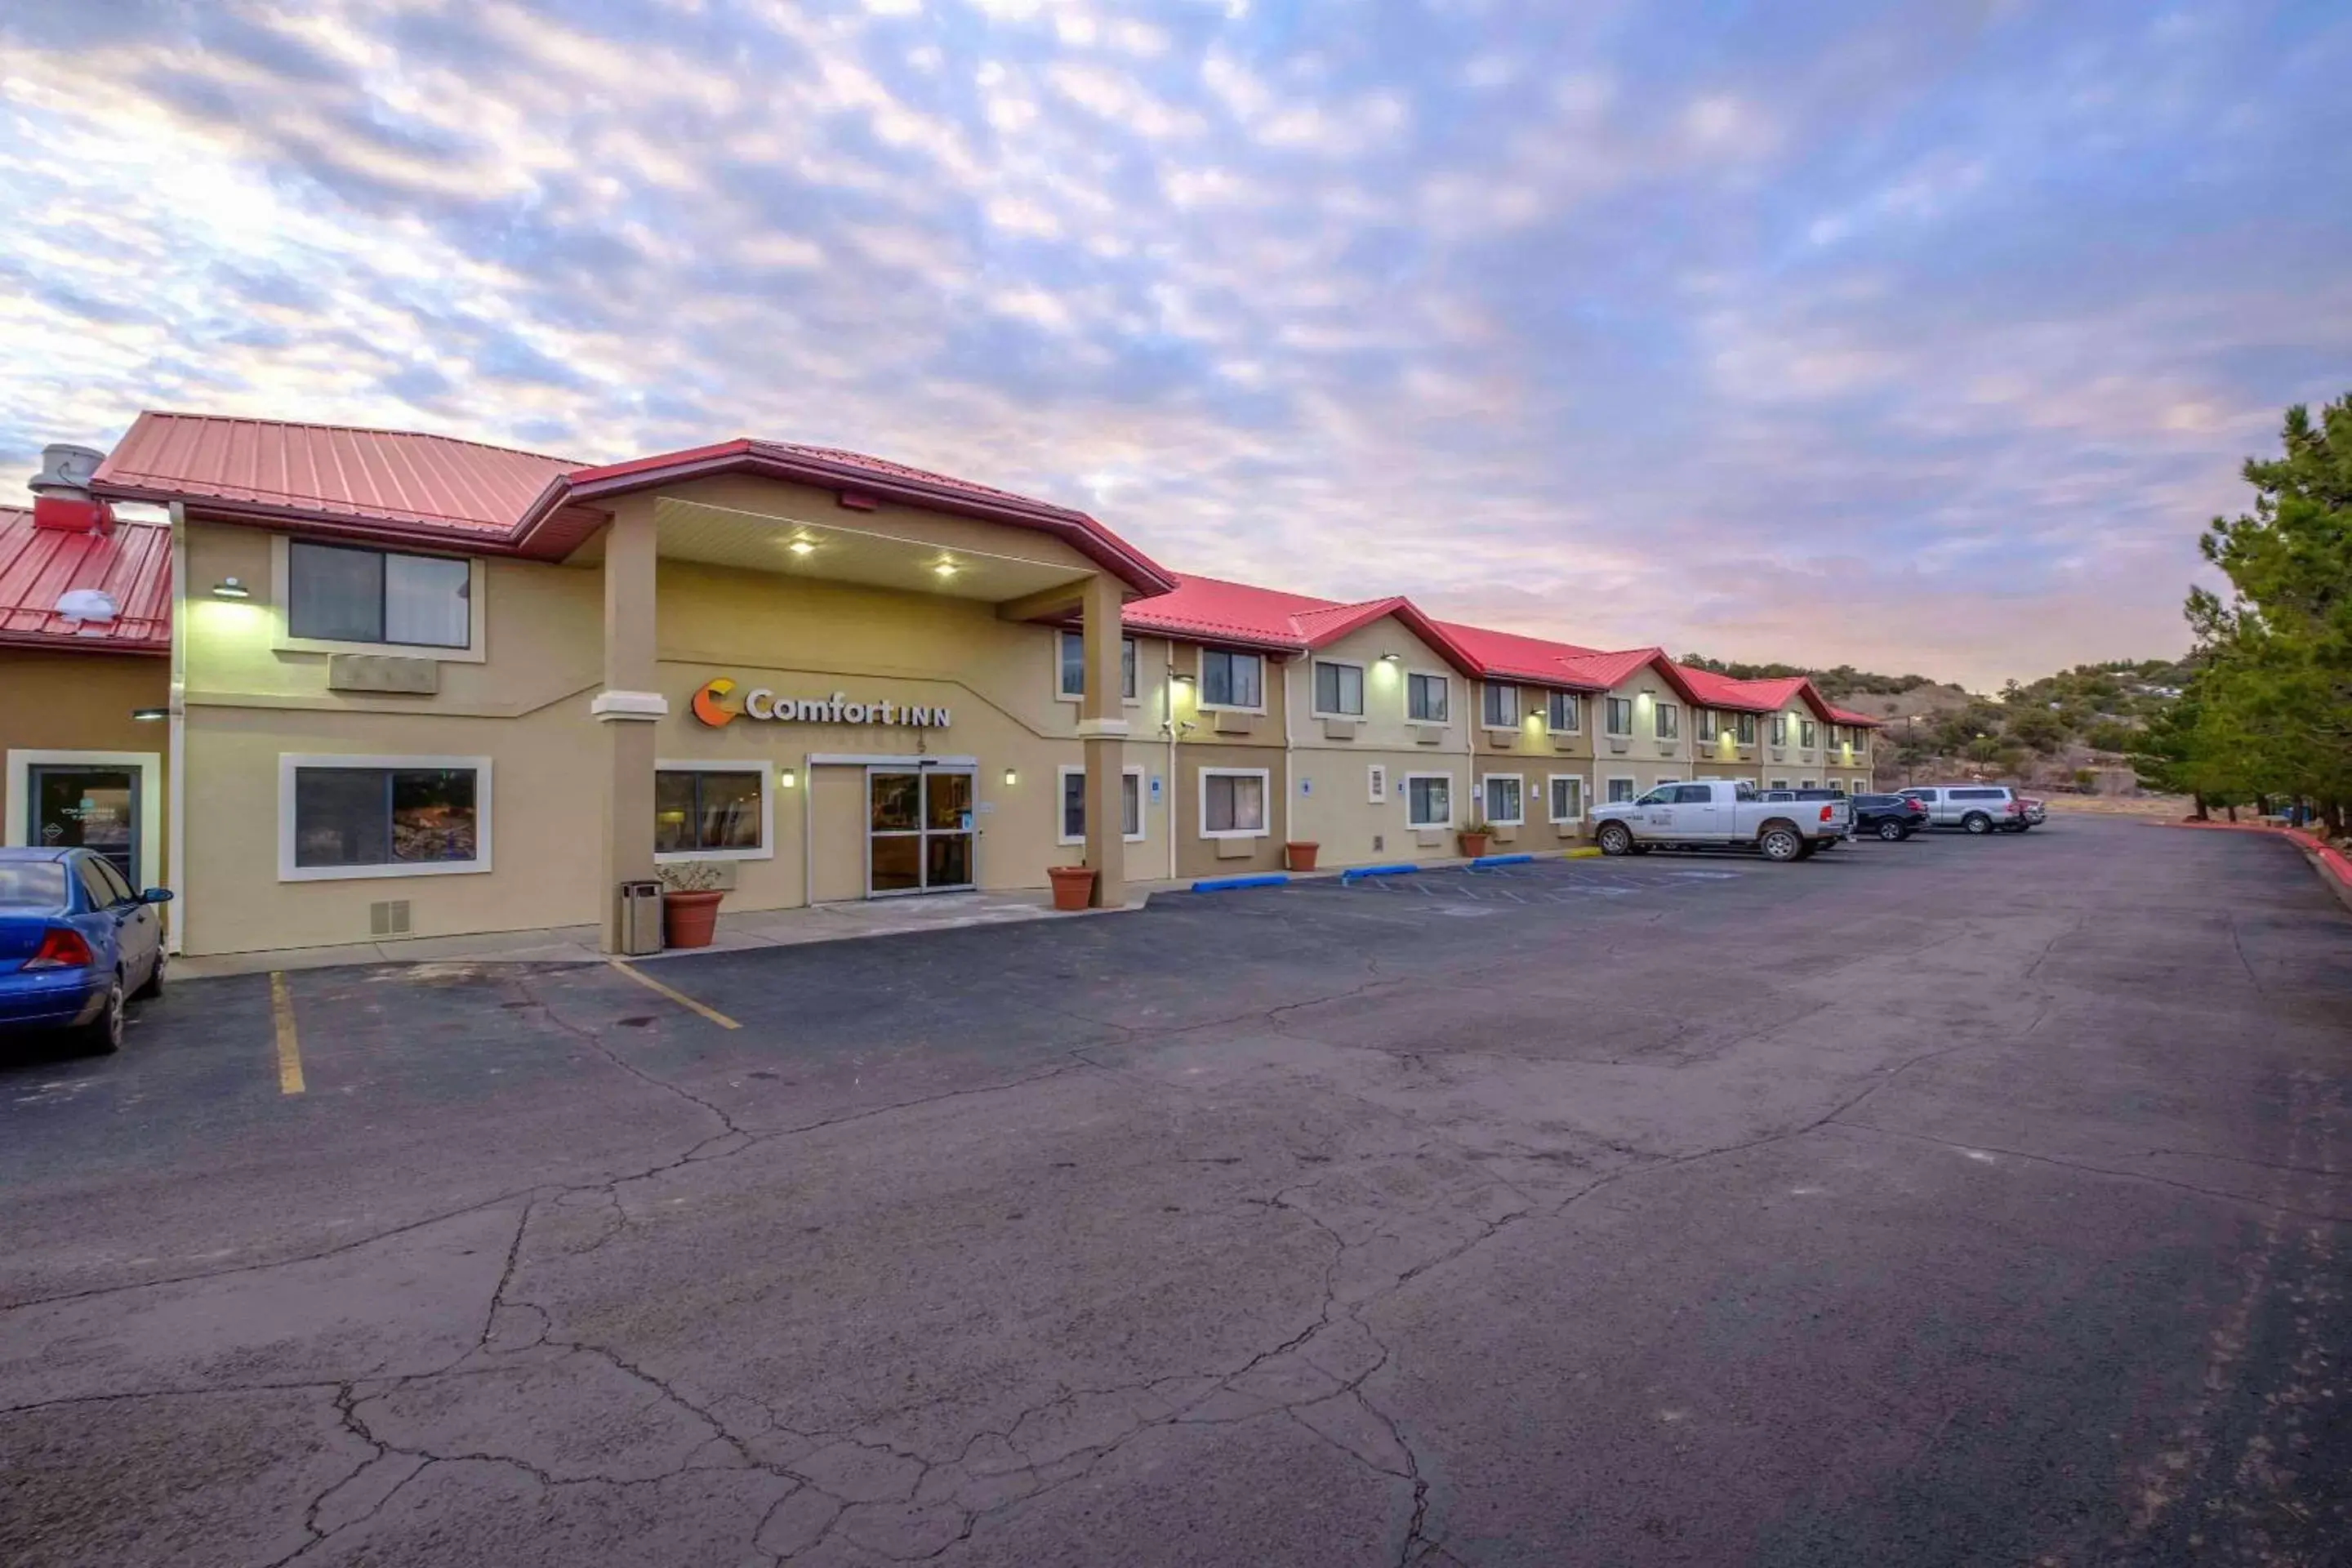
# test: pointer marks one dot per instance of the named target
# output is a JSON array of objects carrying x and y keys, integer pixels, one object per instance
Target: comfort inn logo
[{"x": 711, "y": 704}]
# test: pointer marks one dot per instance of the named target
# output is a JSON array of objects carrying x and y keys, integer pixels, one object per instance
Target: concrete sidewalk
[{"x": 761, "y": 928}]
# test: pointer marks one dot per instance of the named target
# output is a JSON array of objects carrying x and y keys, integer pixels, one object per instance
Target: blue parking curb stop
[
  {"x": 1485, "y": 861},
  {"x": 1222, "y": 884},
  {"x": 1401, "y": 869}
]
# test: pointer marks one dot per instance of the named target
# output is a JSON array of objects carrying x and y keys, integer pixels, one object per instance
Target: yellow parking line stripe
[
  {"x": 680, "y": 997},
  {"x": 289, "y": 1054}
]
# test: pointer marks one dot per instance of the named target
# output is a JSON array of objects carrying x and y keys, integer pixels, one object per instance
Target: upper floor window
[
  {"x": 1567, "y": 713},
  {"x": 1618, "y": 718},
  {"x": 1808, "y": 733},
  {"x": 1667, "y": 721},
  {"x": 1744, "y": 728},
  {"x": 1780, "y": 733},
  {"x": 339, "y": 593},
  {"x": 1232, "y": 680},
  {"x": 1074, "y": 666},
  {"x": 1502, "y": 706},
  {"x": 1424, "y": 697},
  {"x": 1710, "y": 724},
  {"x": 1339, "y": 688}
]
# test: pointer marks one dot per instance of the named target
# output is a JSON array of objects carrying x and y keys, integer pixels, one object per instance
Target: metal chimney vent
[{"x": 66, "y": 470}]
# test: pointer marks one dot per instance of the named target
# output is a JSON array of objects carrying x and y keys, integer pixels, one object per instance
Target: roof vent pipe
[{"x": 61, "y": 497}]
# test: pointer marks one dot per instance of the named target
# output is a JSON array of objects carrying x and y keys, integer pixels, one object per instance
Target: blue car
[{"x": 76, "y": 940}]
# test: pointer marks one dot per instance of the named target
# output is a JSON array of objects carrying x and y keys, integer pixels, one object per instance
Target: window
[
  {"x": 1232, "y": 680},
  {"x": 1376, "y": 784},
  {"x": 1620, "y": 790},
  {"x": 337, "y": 594},
  {"x": 1567, "y": 715},
  {"x": 1809, "y": 734},
  {"x": 1502, "y": 706},
  {"x": 1778, "y": 784},
  {"x": 1567, "y": 797},
  {"x": 1074, "y": 805},
  {"x": 1505, "y": 808},
  {"x": 1694, "y": 794},
  {"x": 1339, "y": 689},
  {"x": 1667, "y": 721},
  {"x": 1618, "y": 718},
  {"x": 1072, "y": 664},
  {"x": 1666, "y": 781},
  {"x": 711, "y": 813},
  {"x": 32, "y": 884},
  {"x": 104, "y": 884},
  {"x": 1424, "y": 698},
  {"x": 1233, "y": 802},
  {"x": 1429, "y": 800},
  {"x": 1744, "y": 728},
  {"x": 1807, "y": 783},
  {"x": 1710, "y": 724},
  {"x": 381, "y": 816},
  {"x": 1780, "y": 728}
]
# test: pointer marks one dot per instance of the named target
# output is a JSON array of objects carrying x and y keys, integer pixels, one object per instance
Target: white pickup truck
[{"x": 1715, "y": 812}]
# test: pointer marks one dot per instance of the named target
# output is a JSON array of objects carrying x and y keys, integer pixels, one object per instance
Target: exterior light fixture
[
  {"x": 945, "y": 568},
  {"x": 787, "y": 779},
  {"x": 801, "y": 547},
  {"x": 1391, "y": 658},
  {"x": 230, "y": 588},
  {"x": 1011, "y": 777},
  {"x": 1180, "y": 679},
  {"x": 150, "y": 715}
]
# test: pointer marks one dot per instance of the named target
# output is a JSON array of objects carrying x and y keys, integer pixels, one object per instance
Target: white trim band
[{"x": 608, "y": 706}]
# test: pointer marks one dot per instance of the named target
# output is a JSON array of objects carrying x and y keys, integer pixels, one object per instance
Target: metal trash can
[{"x": 641, "y": 918}]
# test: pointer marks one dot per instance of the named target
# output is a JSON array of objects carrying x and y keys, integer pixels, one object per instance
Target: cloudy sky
[{"x": 1918, "y": 335}]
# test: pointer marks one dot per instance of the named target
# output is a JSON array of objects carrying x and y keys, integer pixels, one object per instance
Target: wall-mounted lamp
[
  {"x": 1391, "y": 658},
  {"x": 788, "y": 779},
  {"x": 1181, "y": 680},
  {"x": 150, "y": 715},
  {"x": 1011, "y": 778},
  {"x": 800, "y": 547},
  {"x": 945, "y": 568},
  {"x": 230, "y": 588}
]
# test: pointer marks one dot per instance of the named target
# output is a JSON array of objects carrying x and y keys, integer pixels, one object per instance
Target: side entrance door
[
  {"x": 919, "y": 836},
  {"x": 77, "y": 805}
]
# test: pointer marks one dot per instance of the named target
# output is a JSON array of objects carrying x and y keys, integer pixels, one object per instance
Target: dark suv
[{"x": 1893, "y": 817}]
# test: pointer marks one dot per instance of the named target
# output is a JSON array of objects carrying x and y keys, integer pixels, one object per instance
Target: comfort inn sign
[{"x": 714, "y": 704}]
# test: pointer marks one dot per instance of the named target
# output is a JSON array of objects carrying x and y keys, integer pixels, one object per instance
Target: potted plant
[
  {"x": 1074, "y": 886},
  {"x": 1299, "y": 854},
  {"x": 690, "y": 895},
  {"x": 1475, "y": 834}
]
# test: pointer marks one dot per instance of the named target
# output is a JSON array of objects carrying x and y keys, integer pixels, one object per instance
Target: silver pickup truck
[{"x": 1710, "y": 814}]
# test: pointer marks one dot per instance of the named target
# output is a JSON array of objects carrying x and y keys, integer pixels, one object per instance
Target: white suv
[{"x": 1972, "y": 808}]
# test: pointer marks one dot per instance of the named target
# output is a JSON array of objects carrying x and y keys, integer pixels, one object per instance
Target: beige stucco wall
[
  {"x": 1642, "y": 757},
  {"x": 525, "y": 707},
  {"x": 69, "y": 701},
  {"x": 1725, "y": 757},
  {"x": 1330, "y": 795}
]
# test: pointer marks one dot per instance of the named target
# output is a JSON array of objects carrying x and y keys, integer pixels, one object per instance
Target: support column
[
  {"x": 1102, "y": 726},
  {"x": 627, "y": 709}
]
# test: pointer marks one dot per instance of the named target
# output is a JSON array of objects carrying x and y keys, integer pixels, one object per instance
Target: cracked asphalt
[{"x": 1950, "y": 1202}]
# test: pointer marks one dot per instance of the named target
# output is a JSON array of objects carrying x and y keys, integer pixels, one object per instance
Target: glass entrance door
[
  {"x": 919, "y": 830},
  {"x": 87, "y": 807}
]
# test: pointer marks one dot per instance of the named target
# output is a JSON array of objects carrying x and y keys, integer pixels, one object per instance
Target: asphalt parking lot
[{"x": 1951, "y": 1202}]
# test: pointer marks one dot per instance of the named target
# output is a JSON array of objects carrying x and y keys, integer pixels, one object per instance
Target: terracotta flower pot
[
  {"x": 1074, "y": 886},
  {"x": 1474, "y": 845},
  {"x": 689, "y": 919},
  {"x": 1300, "y": 857}
]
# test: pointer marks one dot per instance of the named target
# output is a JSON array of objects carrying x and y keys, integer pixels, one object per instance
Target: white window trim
[
  {"x": 1201, "y": 702},
  {"x": 1632, "y": 717},
  {"x": 767, "y": 849},
  {"x": 148, "y": 765},
  {"x": 1518, "y": 707},
  {"x": 1706, "y": 726},
  {"x": 1142, "y": 803},
  {"x": 1445, "y": 682},
  {"x": 287, "y": 871},
  {"x": 1074, "y": 698},
  {"x": 1609, "y": 779},
  {"x": 1583, "y": 796},
  {"x": 1809, "y": 784},
  {"x": 281, "y": 610},
  {"x": 1264, "y": 777},
  {"x": 1658, "y": 712},
  {"x": 1376, "y": 784},
  {"x": 1778, "y": 784},
  {"x": 1575, "y": 706},
  {"x": 1493, "y": 821},
  {"x": 1450, "y": 795},
  {"x": 1362, "y": 690}
]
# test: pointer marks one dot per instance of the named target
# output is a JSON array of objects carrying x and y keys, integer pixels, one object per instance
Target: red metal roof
[
  {"x": 1514, "y": 655},
  {"x": 1861, "y": 721},
  {"x": 1209, "y": 610},
  {"x": 408, "y": 486},
  {"x": 132, "y": 566},
  {"x": 463, "y": 487}
]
